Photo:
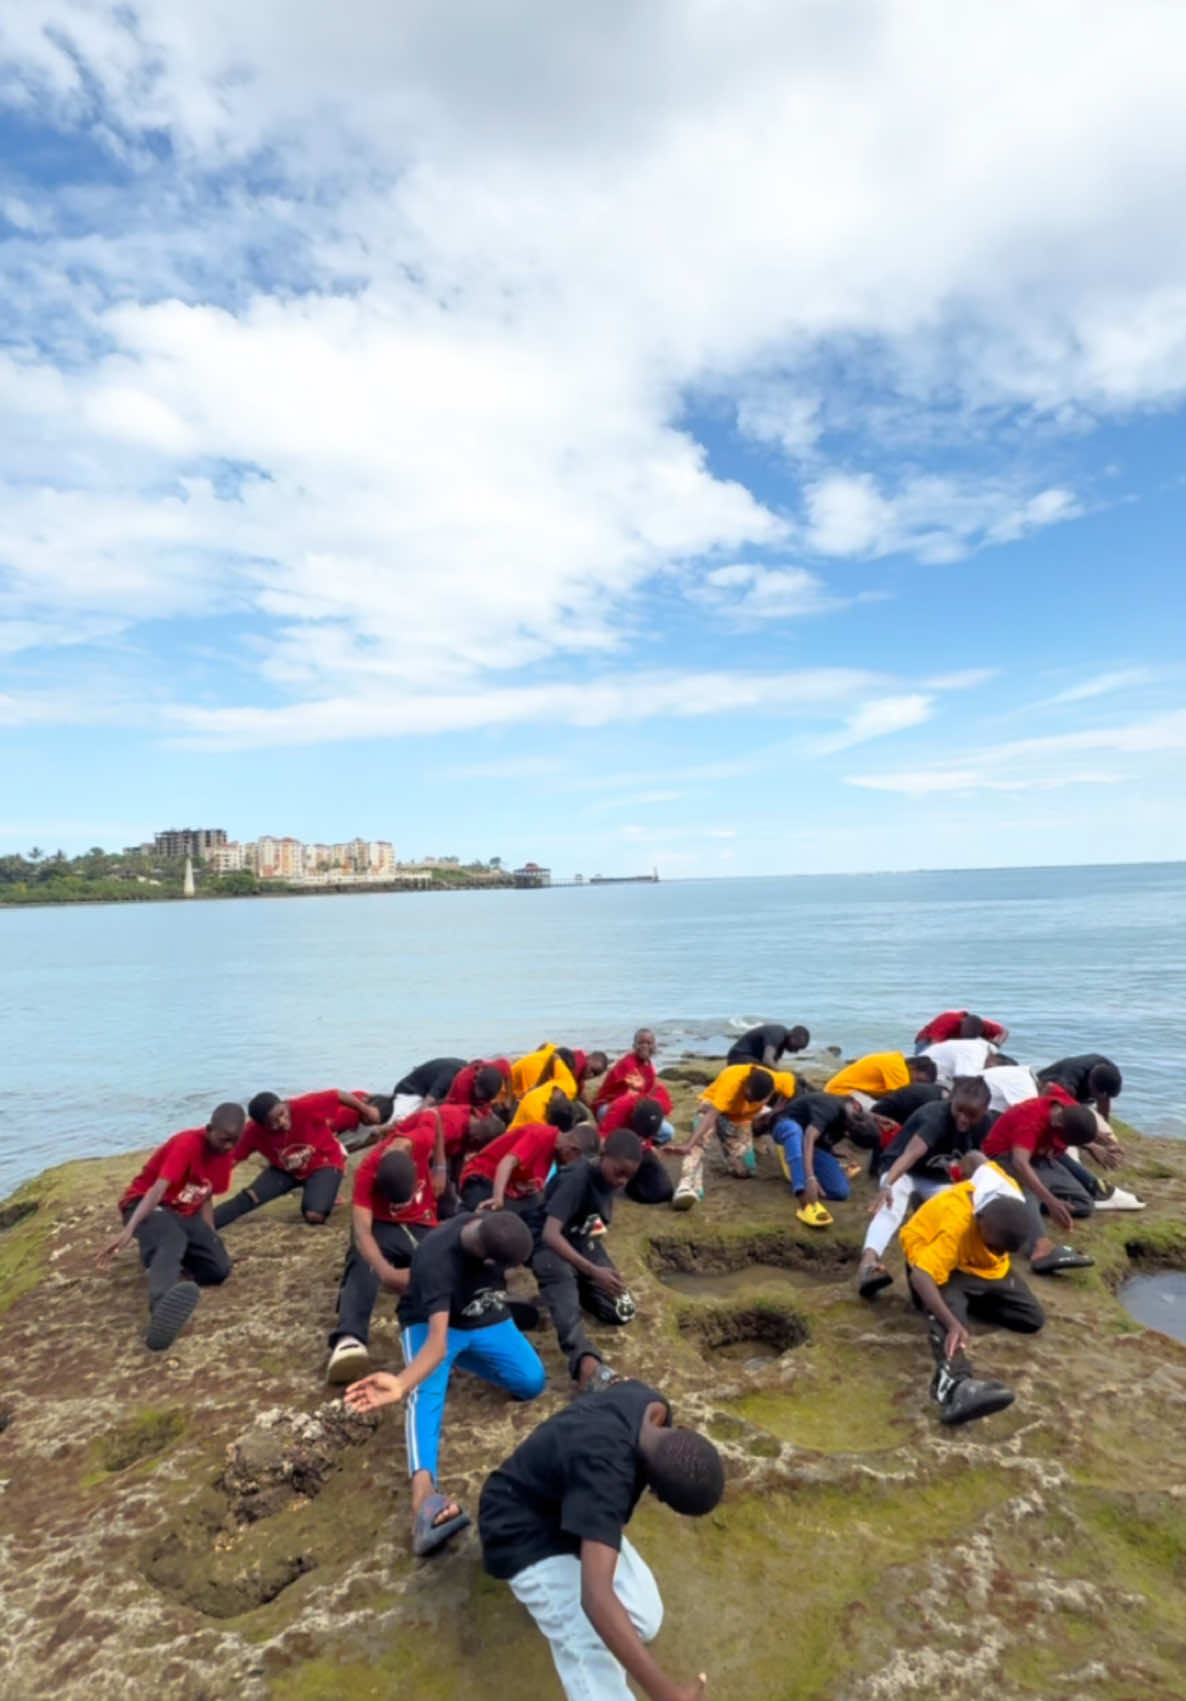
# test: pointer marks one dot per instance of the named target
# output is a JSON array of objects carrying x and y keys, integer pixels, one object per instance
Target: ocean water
[{"x": 121, "y": 1024}]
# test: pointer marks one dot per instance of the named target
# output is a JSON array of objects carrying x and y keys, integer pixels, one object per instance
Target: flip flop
[
  {"x": 1062, "y": 1258},
  {"x": 428, "y": 1536},
  {"x": 872, "y": 1282},
  {"x": 814, "y": 1216}
]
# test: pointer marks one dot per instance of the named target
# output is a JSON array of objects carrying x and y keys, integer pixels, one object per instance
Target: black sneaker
[
  {"x": 973, "y": 1397},
  {"x": 170, "y": 1314}
]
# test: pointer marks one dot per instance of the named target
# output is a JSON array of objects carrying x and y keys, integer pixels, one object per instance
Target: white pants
[
  {"x": 890, "y": 1218},
  {"x": 404, "y": 1105},
  {"x": 551, "y": 1592}
]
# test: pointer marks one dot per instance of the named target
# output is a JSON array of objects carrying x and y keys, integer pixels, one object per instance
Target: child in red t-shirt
[
  {"x": 644, "y": 1115},
  {"x": 509, "y": 1173},
  {"x": 299, "y": 1138},
  {"x": 168, "y": 1209}
]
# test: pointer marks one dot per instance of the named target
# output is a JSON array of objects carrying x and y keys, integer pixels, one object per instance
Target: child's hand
[
  {"x": 608, "y": 1281},
  {"x": 111, "y": 1250},
  {"x": 957, "y": 1340},
  {"x": 374, "y": 1391},
  {"x": 882, "y": 1202},
  {"x": 370, "y": 1113}
]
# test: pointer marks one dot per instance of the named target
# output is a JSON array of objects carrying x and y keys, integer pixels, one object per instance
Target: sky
[{"x": 728, "y": 436}]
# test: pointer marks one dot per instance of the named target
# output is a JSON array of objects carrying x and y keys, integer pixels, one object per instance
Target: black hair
[
  {"x": 1008, "y": 1224},
  {"x": 228, "y": 1116},
  {"x": 639, "y": 1031},
  {"x": 487, "y": 1085},
  {"x": 1106, "y": 1080},
  {"x": 505, "y": 1237},
  {"x": 567, "y": 1057},
  {"x": 685, "y": 1472},
  {"x": 1078, "y": 1126},
  {"x": 863, "y": 1131},
  {"x": 604, "y": 1056},
  {"x": 584, "y": 1137},
  {"x": 395, "y": 1177},
  {"x": 646, "y": 1118},
  {"x": 383, "y": 1103},
  {"x": 261, "y": 1107},
  {"x": 495, "y": 1124},
  {"x": 580, "y": 1112},
  {"x": 798, "y": 1039},
  {"x": 924, "y": 1066},
  {"x": 625, "y": 1144},
  {"x": 559, "y": 1114},
  {"x": 759, "y": 1085},
  {"x": 971, "y": 1027},
  {"x": 971, "y": 1087}
]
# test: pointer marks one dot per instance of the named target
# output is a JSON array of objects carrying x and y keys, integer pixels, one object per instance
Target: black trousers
[
  {"x": 650, "y": 1184},
  {"x": 359, "y": 1287},
  {"x": 478, "y": 1189},
  {"x": 1070, "y": 1182},
  {"x": 318, "y": 1194},
  {"x": 171, "y": 1245},
  {"x": 1006, "y": 1300},
  {"x": 567, "y": 1294}
]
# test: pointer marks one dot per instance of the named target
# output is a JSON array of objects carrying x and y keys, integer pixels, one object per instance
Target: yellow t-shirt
[
  {"x": 727, "y": 1093},
  {"x": 533, "y": 1105},
  {"x": 880, "y": 1073},
  {"x": 943, "y": 1235},
  {"x": 526, "y": 1072},
  {"x": 784, "y": 1082}
]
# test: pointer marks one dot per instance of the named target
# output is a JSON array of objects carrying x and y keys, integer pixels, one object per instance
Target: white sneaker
[
  {"x": 348, "y": 1361},
  {"x": 1119, "y": 1200},
  {"x": 686, "y": 1197}
]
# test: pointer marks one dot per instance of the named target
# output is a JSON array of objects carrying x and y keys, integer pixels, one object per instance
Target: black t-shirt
[
  {"x": 901, "y": 1105},
  {"x": 445, "y": 1275},
  {"x": 934, "y": 1124},
  {"x": 578, "y": 1477},
  {"x": 575, "y": 1194},
  {"x": 1072, "y": 1073},
  {"x": 751, "y": 1047},
  {"x": 434, "y": 1077},
  {"x": 824, "y": 1111}
]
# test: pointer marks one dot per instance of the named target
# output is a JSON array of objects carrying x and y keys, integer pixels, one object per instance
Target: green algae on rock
[{"x": 215, "y": 1524}]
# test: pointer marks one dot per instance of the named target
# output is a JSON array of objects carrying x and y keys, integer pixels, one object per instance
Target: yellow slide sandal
[{"x": 814, "y": 1216}]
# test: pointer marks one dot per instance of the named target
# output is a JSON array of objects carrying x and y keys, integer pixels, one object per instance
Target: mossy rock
[{"x": 207, "y": 1516}]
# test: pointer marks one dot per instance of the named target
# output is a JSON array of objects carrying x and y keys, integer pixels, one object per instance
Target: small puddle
[
  {"x": 1158, "y": 1301},
  {"x": 725, "y": 1283}
]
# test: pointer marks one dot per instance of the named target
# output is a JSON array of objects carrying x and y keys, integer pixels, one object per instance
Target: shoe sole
[
  {"x": 683, "y": 1201},
  {"x": 348, "y": 1366},
  {"x": 987, "y": 1407},
  {"x": 170, "y": 1315}
]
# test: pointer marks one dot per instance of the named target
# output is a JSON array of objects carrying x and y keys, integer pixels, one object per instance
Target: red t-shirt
[
  {"x": 622, "y": 1109},
  {"x": 422, "y": 1206},
  {"x": 627, "y": 1075},
  {"x": 455, "y": 1119},
  {"x": 947, "y": 1026},
  {"x": 1028, "y": 1125},
  {"x": 346, "y": 1117},
  {"x": 534, "y": 1146},
  {"x": 462, "y": 1090},
  {"x": 194, "y": 1171},
  {"x": 311, "y": 1143}
]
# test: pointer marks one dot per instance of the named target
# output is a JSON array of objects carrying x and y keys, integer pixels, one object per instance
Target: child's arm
[
  {"x": 394, "y": 1280},
  {"x": 612, "y": 1623},
  {"x": 1026, "y": 1175},
  {"x": 366, "y": 1112},
  {"x": 440, "y": 1167},
  {"x": 145, "y": 1208},
  {"x": 601, "y": 1275},
  {"x": 916, "y": 1148},
  {"x": 932, "y": 1301},
  {"x": 382, "y": 1389},
  {"x": 504, "y": 1172}
]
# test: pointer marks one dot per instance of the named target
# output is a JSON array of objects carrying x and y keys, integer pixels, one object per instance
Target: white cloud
[
  {"x": 749, "y": 593},
  {"x": 1100, "y": 685},
  {"x": 445, "y": 350},
  {"x": 878, "y": 718},
  {"x": 964, "y": 679}
]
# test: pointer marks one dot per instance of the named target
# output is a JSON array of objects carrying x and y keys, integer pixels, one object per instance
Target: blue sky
[{"x": 747, "y": 440}]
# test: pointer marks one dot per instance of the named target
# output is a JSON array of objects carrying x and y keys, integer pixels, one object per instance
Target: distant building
[
  {"x": 228, "y": 858},
  {"x": 196, "y": 842},
  {"x": 531, "y": 874}
]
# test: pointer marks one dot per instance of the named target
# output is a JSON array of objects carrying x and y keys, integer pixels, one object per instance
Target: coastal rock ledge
[{"x": 213, "y": 1525}]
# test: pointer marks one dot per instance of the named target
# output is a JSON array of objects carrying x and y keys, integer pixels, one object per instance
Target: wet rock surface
[{"x": 211, "y": 1523}]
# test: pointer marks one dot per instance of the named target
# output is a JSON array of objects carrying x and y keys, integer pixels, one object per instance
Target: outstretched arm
[
  {"x": 613, "y": 1624},
  {"x": 932, "y": 1301},
  {"x": 1026, "y": 1174},
  {"x": 145, "y": 1208},
  {"x": 382, "y": 1389}
]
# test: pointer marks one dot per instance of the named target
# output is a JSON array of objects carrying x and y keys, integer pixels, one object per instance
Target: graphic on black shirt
[
  {"x": 447, "y": 1277},
  {"x": 580, "y": 1198}
]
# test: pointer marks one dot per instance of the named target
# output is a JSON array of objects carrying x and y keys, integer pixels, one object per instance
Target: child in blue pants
[
  {"x": 803, "y": 1130},
  {"x": 454, "y": 1311}
]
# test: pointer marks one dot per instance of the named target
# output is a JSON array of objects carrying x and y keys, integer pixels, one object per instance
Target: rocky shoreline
[{"x": 217, "y": 1526}]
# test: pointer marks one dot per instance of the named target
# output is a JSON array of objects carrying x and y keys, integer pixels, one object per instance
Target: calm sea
[{"x": 123, "y": 1023}]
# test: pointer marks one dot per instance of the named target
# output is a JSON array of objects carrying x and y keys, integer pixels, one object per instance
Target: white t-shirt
[
  {"x": 989, "y": 1182},
  {"x": 1010, "y": 1084},
  {"x": 958, "y": 1057}
]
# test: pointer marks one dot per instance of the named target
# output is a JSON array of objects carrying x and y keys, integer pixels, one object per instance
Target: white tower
[{"x": 188, "y": 886}]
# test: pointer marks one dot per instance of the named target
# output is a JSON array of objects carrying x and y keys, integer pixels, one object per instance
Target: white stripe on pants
[
  {"x": 551, "y": 1591},
  {"x": 890, "y": 1218}
]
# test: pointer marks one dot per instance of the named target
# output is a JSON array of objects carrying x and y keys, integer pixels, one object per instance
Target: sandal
[
  {"x": 872, "y": 1280},
  {"x": 427, "y": 1534},
  {"x": 1062, "y": 1258},
  {"x": 814, "y": 1216}
]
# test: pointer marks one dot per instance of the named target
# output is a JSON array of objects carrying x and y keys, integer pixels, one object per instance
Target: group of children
[{"x": 479, "y": 1166}]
